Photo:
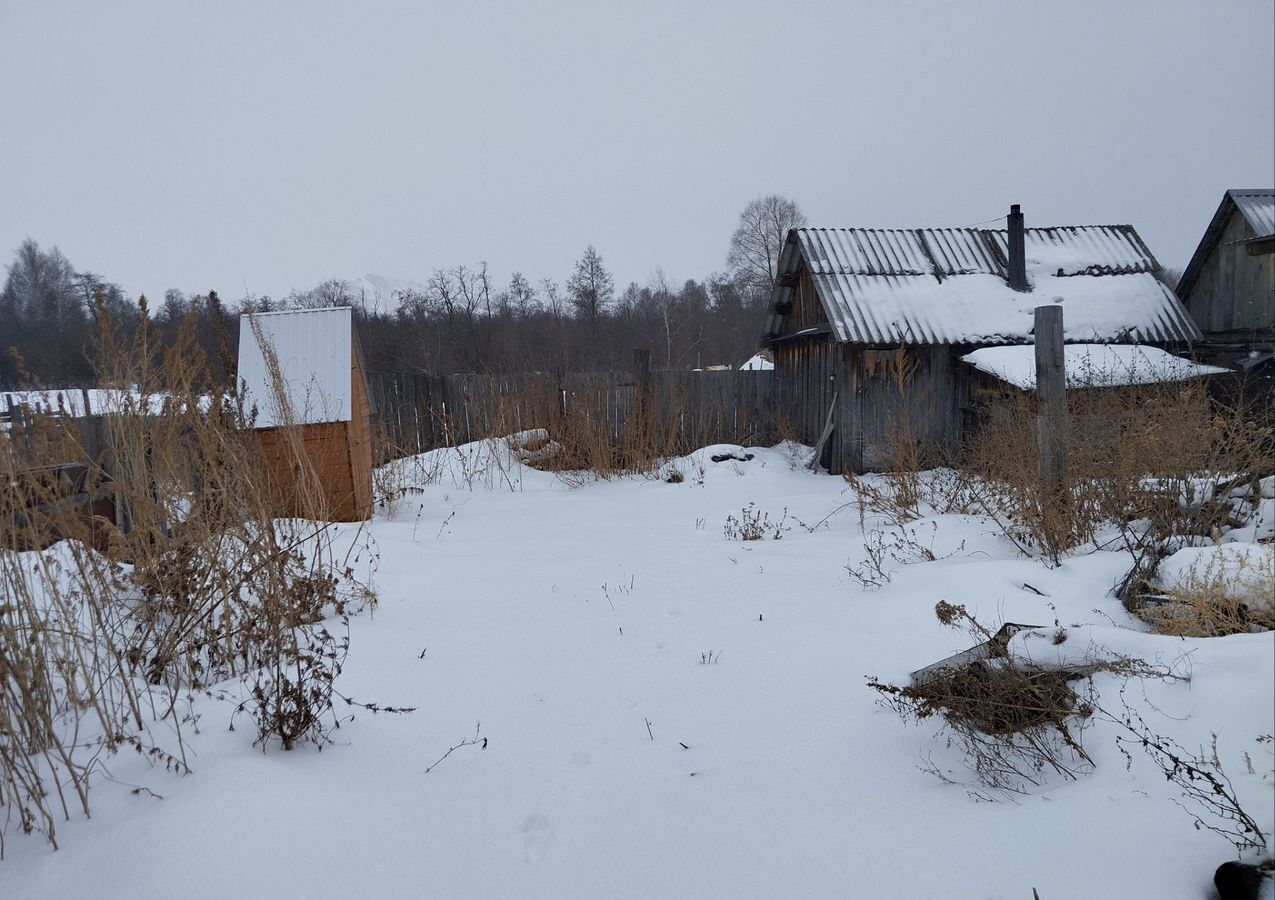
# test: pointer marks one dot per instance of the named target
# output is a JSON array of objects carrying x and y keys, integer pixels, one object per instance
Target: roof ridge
[{"x": 915, "y": 228}]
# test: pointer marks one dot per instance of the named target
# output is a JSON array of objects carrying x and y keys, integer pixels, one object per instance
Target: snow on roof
[
  {"x": 1090, "y": 365},
  {"x": 757, "y": 363},
  {"x": 315, "y": 352},
  {"x": 948, "y": 285},
  {"x": 1258, "y": 208}
]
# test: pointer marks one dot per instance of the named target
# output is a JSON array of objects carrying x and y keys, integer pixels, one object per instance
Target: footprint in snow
[{"x": 536, "y": 837}]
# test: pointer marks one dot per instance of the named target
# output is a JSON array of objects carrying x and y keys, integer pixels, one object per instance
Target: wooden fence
[{"x": 420, "y": 412}]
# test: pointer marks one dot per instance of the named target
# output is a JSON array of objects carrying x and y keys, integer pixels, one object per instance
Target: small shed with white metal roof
[{"x": 306, "y": 397}]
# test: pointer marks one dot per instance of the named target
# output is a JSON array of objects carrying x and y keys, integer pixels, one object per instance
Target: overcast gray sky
[{"x": 273, "y": 145}]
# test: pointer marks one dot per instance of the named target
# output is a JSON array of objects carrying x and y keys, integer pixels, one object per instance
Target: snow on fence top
[
  {"x": 1090, "y": 365},
  {"x": 757, "y": 363},
  {"x": 71, "y": 401},
  {"x": 314, "y": 348},
  {"x": 948, "y": 285}
]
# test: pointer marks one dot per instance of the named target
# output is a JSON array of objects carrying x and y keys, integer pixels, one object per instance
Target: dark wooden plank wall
[
  {"x": 881, "y": 394},
  {"x": 905, "y": 394},
  {"x": 1234, "y": 296},
  {"x": 421, "y": 412}
]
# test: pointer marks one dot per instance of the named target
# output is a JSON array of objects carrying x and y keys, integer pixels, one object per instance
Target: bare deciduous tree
[{"x": 758, "y": 238}]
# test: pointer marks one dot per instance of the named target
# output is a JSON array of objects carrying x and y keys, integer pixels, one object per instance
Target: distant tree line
[{"x": 459, "y": 320}]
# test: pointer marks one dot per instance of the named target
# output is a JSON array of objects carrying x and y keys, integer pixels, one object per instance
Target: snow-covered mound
[
  {"x": 1090, "y": 365},
  {"x": 1241, "y": 572}
]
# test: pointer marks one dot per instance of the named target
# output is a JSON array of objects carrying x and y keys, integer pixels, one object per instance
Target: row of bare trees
[{"x": 460, "y": 319}]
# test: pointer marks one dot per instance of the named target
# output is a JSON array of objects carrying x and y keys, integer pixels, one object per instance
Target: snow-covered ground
[{"x": 671, "y": 713}]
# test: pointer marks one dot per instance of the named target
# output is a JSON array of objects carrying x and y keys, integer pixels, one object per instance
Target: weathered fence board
[{"x": 421, "y": 412}]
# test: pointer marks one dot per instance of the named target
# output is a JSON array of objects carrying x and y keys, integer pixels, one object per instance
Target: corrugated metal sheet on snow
[
  {"x": 1258, "y": 207},
  {"x": 314, "y": 348},
  {"x": 947, "y": 285}
]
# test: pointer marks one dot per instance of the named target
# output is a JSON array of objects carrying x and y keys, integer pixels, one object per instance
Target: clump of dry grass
[
  {"x": 1218, "y": 595},
  {"x": 1145, "y": 465}
]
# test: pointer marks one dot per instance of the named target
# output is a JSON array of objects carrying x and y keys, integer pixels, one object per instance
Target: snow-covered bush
[{"x": 1214, "y": 590}]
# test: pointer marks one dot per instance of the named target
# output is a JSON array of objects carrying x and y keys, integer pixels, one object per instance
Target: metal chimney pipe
[{"x": 1017, "y": 254}]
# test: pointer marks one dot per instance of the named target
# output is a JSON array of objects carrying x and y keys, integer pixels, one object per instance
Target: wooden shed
[
  {"x": 1229, "y": 285},
  {"x": 307, "y": 397},
  {"x": 868, "y": 325}
]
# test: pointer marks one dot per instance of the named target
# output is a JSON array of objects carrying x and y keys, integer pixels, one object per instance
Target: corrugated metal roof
[
  {"x": 947, "y": 285},
  {"x": 314, "y": 348},
  {"x": 1258, "y": 207}
]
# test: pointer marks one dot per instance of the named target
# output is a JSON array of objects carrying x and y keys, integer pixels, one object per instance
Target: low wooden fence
[{"x": 420, "y": 412}]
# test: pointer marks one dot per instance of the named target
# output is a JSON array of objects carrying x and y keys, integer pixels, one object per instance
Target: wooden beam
[
  {"x": 808, "y": 332},
  {"x": 1263, "y": 246}
]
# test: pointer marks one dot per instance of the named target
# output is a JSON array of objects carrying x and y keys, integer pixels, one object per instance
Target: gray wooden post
[
  {"x": 559, "y": 378},
  {"x": 642, "y": 393},
  {"x": 1051, "y": 419},
  {"x": 21, "y": 425}
]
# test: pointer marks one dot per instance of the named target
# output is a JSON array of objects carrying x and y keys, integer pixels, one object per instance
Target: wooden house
[
  {"x": 1229, "y": 285},
  {"x": 307, "y": 398},
  {"x": 868, "y": 325}
]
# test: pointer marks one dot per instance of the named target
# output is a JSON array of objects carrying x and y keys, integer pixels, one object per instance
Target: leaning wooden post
[{"x": 1051, "y": 418}]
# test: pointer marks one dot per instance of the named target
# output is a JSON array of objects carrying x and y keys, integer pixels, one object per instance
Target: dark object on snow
[
  {"x": 1239, "y": 881},
  {"x": 993, "y": 648},
  {"x": 722, "y": 457}
]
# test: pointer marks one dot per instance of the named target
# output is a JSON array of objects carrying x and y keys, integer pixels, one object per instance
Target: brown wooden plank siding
[
  {"x": 359, "y": 435},
  {"x": 1233, "y": 297},
  {"x": 325, "y": 447},
  {"x": 339, "y": 452}
]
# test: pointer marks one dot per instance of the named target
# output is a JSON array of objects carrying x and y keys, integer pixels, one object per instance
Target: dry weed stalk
[
  {"x": 1215, "y": 598},
  {"x": 143, "y": 564}
]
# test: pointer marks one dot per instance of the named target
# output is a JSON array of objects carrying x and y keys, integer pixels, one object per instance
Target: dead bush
[
  {"x": 754, "y": 524},
  {"x": 108, "y": 632},
  {"x": 1145, "y": 465},
  {"x": 1216, "y": 596},
  {"x": 902, "y": 544},
  {"x": 1013, "y": 725}
]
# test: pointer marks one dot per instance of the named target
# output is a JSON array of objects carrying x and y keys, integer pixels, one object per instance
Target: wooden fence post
[
  {"x": 642, "y": 395},
  {"x": 559, "y": 378},
  {"x": 1051, "y": 418}
]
